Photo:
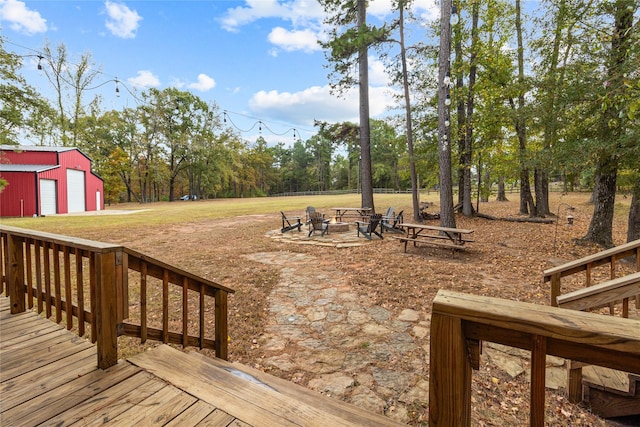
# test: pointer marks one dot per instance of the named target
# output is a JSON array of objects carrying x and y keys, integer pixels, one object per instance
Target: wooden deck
[{"x": 49, "y": 376}]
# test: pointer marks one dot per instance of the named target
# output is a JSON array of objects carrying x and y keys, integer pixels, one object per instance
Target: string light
[
  {"x": 225, "y": 114},
  {"x": 454, "y": 15}
]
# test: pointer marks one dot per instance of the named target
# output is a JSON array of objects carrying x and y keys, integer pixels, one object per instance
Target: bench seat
[{"x": 431, "y": 241}]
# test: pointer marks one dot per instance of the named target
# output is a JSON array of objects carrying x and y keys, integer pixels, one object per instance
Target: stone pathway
[{"x": 320, "y": 329}]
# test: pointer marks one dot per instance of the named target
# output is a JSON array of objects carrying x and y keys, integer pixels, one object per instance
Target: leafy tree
[
  {"x": 344, "y": 135},
  {"x": 386, "y": 151},
  {"x": 23, "y": 112},
  {"x": 321, "y": 150},
  {"x": 70, "y": 81}
]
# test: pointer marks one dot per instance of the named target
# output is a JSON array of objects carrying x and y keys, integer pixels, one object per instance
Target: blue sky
[{"x": 255, "y": 58}]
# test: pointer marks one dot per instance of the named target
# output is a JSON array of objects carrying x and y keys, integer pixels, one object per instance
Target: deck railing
[
  {"x": 460, "y": 322},
  {"x": 114, "y": 290},
  {"x": 587, "y": 265},
  {"x": 598, "y": 292}
]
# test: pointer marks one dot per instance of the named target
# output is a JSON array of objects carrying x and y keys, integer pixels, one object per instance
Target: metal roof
[
  {"x": 36, "y": 148},
  {"x": 5, "y": 167}
]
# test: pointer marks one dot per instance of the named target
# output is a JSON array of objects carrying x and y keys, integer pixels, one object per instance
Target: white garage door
[
  {"x": 48, "y": 197},
  {"x": 75, "y": 191}
]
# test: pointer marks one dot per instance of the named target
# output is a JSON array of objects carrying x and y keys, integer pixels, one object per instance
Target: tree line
[{"x": 531, "y": 97}]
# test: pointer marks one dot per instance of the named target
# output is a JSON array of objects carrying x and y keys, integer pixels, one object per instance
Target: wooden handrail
[
  {"x": 459, "y": 322},
  {"x": 586, "y": 264},
  {"x": 603, "y": 294},
  {"x": 62, "y": 273}
]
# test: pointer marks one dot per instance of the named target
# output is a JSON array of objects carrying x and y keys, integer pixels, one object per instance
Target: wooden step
[
  {"x": 611, "y": 393},
  {"x": 252, "y": 396}
]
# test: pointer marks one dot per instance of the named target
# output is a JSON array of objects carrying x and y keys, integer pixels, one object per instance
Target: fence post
[
  {"x": 106, "y": 309},
  {"x": 449, "y": 373},
  {"x": 221, "y": 334},
  {"x": 15, "y": 273}
]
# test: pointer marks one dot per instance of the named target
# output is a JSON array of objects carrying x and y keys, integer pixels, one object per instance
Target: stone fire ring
[{"x": 338, "y": 227}]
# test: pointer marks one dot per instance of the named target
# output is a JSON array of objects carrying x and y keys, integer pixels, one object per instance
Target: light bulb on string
[
  {"x": 447, "y": 77},
  {"x": 40, "y": 57},
  {"x": 117, "y": 88},
  {"x": 447, "y": 100},
  {"x": 454, "y": 19}
]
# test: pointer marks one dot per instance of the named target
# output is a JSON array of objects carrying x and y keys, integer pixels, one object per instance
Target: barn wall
[
  {"x": 59, "y": 175},
  {"x": 18, "y": 197},
  {"x": 31, "y": 157},
  {"x": 94, "y": 184}
]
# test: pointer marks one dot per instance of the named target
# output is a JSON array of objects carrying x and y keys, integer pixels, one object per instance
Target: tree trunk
[
  {"x": 485, "y": 189},
  {"x": 447, "y": 217},
  {"x": 467, "y": 206},
  {"x": 526, "y": 199},
  {"x": 365, "y": 130},
  {"x": 633, "y": 231},
  {"x": 502, "y": 194},
  {"x": 462, "y": 118},
  {"x": 601, "y": 226},
  {"x": 407, "y": 105},
  {"x": 541, "y": 185}
]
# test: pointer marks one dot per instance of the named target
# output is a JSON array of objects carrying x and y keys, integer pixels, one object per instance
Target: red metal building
[{"x": 48, "y": 180}]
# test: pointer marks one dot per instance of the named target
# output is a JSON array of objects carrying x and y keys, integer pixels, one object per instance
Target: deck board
[
  {"x": 34, "y": 383},
  {"x": 198, "y": 412},
  {"x": 607, "y": 379},
  {"x": 49, "y": 376}
]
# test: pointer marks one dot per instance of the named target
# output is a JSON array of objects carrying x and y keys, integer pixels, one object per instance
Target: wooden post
[
  {"x": 637, "y": 269},
  {"x": 574, "y": 381},
  {"x": 449, "y": 374},
  {"x": 15, "y": 273},
  {"x": 221, "y": 334},
  {"x": 122, "y": 285},
  {"x": 538, "y": 368},
  {"x": 106, "y": 324},
  {"x": 555, "y": 289}
]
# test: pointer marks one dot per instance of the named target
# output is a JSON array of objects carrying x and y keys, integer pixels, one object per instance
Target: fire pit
[{"x": 338, "y": 227}]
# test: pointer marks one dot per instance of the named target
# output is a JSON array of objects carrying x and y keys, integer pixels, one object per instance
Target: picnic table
[
  {"x": 355, "y": 213},
  {"x": 454, "y": 238}
]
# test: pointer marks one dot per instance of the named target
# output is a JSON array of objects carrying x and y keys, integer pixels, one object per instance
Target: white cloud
[
  {"x": 427, "y": 10},
  {"x": 379, "y": 8},
  {"x": 378, "y": 75},
  {"x": 203, "y": 84},
  {"x": 299, "y": 12},
  {"x": 305, "y": 40},
  {"x": 122, "y": 21},
  {"x": 20, "y": 18},
  {"x": 145, "y": 78},
  {"x": 317, "y": 103}
]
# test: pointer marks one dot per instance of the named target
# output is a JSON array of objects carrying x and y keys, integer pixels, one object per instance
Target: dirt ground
[{"x": 506, "y": 261}]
